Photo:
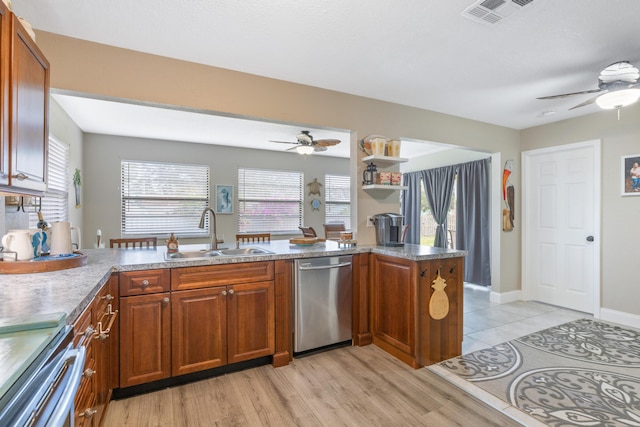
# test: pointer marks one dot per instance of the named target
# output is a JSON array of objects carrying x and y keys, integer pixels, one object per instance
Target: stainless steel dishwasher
[{"x": 323, "y": 309}]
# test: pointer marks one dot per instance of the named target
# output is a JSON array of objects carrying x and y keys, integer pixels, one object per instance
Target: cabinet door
[
  {"x": 393, "y": 306},
  {"x": 5, "y": 60},
  {"x": 199, "y": 330},
  {"x": 105, "y": 316},
  {"x": 441, "y": 339},
  {"x": 251, "y": 321},
  {"x": 145, "y": 333},
  {"x": 85, "y": 400},
  {"x": 29, "y": 112}
]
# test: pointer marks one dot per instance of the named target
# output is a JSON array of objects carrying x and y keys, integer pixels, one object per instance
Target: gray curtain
[
  {"x": 472, "y": 220},
  {"x": 438, "y": 187},
  {"x": 411, "y": 206}
]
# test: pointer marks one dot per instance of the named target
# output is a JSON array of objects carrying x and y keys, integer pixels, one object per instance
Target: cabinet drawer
[
  {"x": 224, "y": 274},
  {"x": 144, "y": 282}
]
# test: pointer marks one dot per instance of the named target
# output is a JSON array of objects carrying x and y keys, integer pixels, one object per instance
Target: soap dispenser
[{"x": 172, "y": 244}]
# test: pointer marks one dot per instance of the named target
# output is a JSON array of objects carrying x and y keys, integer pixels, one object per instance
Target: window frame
[
  {"x": 331, "y": 201},
  {"x": 150, "y": 196}
]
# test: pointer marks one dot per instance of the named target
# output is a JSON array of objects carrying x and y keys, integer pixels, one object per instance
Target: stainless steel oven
[{"x": 43, "y": 395}]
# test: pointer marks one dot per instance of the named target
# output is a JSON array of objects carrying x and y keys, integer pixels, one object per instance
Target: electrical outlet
[{"x": 369, "y": 220}]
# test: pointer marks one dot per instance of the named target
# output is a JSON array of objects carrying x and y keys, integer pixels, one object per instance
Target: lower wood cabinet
[
  {"x": 145, "y": 338},
  {"x": 215, "y": 326},
  {"x": 184, "y": 320},
  {"x": 393, "y": 306},
  {"x": 401, "y": 322},
  {"x": 97, "y": 330}
]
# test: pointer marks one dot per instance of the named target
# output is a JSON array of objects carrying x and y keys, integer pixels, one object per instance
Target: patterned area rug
[{"x": 581, "y": 373}]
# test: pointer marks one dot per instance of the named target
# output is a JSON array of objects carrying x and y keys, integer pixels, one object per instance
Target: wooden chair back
[
  {"x": 308, "y": 232},
  {"x": 253, "y": 237},
  {"x": 134, "y": 242},
  {"x": 333, "y": 229}
]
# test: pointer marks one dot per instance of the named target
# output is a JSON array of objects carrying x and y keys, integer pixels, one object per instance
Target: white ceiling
[{"x": 422, "y": 53}]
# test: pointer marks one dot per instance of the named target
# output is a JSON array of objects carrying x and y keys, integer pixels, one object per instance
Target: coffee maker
[{"x": 388, "y": 229}]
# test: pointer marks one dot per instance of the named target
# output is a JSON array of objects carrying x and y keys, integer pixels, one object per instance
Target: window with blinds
[
  {"x": 55, "y": 203},
  {"x": 163, "y": 198},
  {"x": 269, "y": 201},
  {"x": 338, "y": 199}
]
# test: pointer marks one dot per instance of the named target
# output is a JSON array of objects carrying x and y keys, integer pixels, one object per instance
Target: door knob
[{"x": 589, "y": 238}]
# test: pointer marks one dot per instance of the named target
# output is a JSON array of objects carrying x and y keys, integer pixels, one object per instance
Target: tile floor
[{"x": 487, "y": 324}]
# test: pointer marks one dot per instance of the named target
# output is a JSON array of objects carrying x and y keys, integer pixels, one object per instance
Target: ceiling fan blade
[
  {"x": 564, "y": 95},
  {"x": 585, "y": 103},
  {"x": 326, "y": 142},
  {"x": 285, "y": 142}
]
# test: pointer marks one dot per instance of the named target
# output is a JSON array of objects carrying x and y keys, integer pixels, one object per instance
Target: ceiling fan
[
  {"x": 305, "y": 143},
  {"x": 617, "y": 85}
]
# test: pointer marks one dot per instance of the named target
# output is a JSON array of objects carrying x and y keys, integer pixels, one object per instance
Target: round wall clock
[{"x": 315, "y": 204}]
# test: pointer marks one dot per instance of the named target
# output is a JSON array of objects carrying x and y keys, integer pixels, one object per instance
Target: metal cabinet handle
[
  {"x": 108, "y": 297},
  {"x": 20, "y": 176},
  {"x": 224, "y": 293},
  {"x": 145, "y": 282},
  {"x": 231, "y": 292},
  {"x": 103, "y": 334},
  {"x": 88, "y": 413},
  {"x": 88, "y": 373},
  {"x": 165, "y": 300},
  {"x": 589, "y": 238}
]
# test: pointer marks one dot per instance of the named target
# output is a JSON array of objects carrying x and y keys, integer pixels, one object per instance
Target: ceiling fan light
[
  {"x": 618, "y": 98},
  {"x": 304, "y": 149}
]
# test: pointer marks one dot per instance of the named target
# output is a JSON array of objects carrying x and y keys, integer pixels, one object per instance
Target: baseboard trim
[
  {"x": 505, "y": 297},
  {"x": 620, "y": 317}
]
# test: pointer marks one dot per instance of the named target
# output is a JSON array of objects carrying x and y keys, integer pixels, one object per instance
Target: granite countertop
[{"x": 70, "y": 291}]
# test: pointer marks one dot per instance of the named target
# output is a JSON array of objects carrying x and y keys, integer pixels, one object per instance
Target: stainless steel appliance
[
  {"x": 388, "y": 229},
  {"x": 323, "y": 295},
  {"x": 43, "y": 394}
]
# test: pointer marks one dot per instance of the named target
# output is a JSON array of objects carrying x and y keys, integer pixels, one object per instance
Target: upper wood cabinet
[{"x": 24, "y": 106}]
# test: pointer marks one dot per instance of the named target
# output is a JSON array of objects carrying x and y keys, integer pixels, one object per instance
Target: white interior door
[{"x": 561, "y": 205}]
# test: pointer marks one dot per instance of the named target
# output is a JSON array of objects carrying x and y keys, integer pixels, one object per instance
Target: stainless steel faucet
[{"x": 214, "y": 238}]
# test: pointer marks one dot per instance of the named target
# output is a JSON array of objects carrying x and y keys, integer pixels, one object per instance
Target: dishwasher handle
[{"x": 323, "y": 267}]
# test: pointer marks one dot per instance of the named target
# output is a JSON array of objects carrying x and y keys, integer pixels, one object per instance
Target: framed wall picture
[
  {"x": 224, "y": 199},
  {"x": 631, "y": 175}
]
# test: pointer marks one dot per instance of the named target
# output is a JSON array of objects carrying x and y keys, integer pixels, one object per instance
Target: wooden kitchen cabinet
[
  {"x": 145, "y": 327},
  {"x": 96, "y": 329},
  {"x": 393, "y": 306},
  {"x": 401, "y": 323},
  {"x": 214, "y": 325},
  {"x": 199, "y": 330},
  {"x": 106, "y": 343},
  {"x": 5, "y": 69},
  {"x": 24, "y": 97},
  {"x": 440, "y": 339},
  {"x": 85, "y": 400}
]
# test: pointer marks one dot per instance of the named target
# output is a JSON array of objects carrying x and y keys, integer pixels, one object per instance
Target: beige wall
[
  {"x": 103, "y": 153},
  {"x": 107, "y": 71},
  {"x": 619, "y": 215}
]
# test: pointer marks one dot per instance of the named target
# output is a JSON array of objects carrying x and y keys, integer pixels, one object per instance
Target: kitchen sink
[
  {"x": 203, "y": 254},
  {"x": 244, "y": 251},
  {"x": 206, "y": 254}
]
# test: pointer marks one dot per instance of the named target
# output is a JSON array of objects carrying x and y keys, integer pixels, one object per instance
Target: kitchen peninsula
[{"x": 392, "y": 293}]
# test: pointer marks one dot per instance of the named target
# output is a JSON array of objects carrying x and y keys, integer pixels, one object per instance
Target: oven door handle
[{"x": 65, "y": 405}]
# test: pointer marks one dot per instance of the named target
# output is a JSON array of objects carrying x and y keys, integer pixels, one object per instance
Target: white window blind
[
  {"x": 269, "y": 201},
  {"x": 163, "y": 198},
  {"x": 338, "y": 199},
  {"x": 55, "y": 203}
]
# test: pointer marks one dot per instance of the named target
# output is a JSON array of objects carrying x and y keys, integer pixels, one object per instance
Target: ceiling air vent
[{"x": 493, "y": 11}]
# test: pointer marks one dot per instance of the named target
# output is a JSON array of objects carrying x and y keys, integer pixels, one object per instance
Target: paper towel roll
[{"x": 61, "y": 238}]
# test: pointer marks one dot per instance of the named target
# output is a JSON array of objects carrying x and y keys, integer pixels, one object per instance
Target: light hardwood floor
[{"x": 349, "y": 386}]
